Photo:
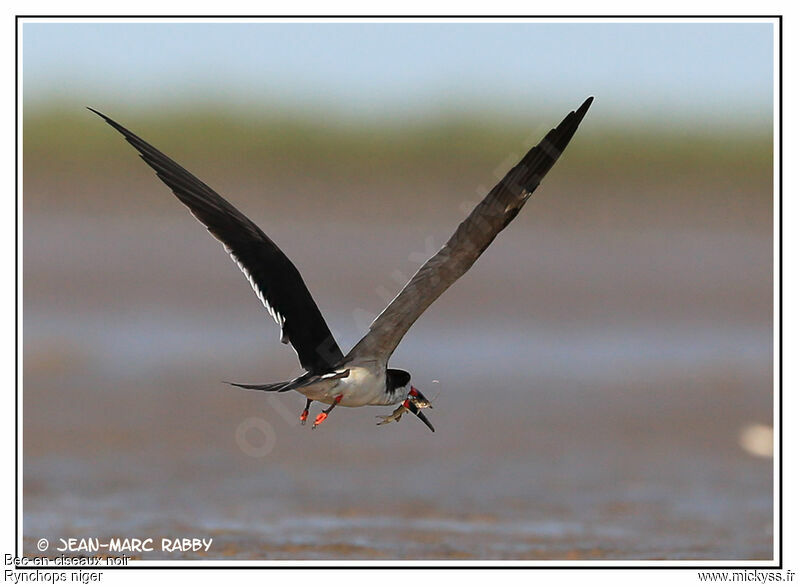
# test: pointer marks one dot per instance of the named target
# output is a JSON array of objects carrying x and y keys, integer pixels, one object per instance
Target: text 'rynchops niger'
[{"x": 362, "y": 377}]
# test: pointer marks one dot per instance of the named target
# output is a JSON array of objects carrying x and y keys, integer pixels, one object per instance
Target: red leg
[
  {"x": 304, "y": 415},
  {"x": 324, "y": 414}
]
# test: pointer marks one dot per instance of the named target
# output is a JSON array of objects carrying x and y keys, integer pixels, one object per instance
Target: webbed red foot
[{"x": 324, "y": 414}]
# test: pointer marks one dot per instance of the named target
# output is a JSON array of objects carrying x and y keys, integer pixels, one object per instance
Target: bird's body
[
  {"x": 362, "y": 385},
  {"x": 362, "y": 377}
]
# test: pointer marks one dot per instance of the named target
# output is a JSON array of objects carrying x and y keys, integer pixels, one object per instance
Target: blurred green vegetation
[
  {"x": 281, "y": 140},
  {"x": 617, "y": 175}
]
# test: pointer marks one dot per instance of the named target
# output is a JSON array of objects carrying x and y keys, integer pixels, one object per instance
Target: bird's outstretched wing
[
  {"x": 274, "y": 278},
  {"x": 471, "y": 238}
]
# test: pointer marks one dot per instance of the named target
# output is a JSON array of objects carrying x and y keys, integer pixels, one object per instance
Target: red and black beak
[
  {"x": 415, "y": 395},
  {"x": 412, "y": 407}
]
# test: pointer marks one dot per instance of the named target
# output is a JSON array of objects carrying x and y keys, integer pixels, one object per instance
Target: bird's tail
[{"x": 280, "y": 386}]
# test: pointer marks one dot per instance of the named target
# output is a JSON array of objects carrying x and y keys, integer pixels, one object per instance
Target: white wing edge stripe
[
  {"x": 334, "y": 374},
  {"x": 277, "y": 316}
]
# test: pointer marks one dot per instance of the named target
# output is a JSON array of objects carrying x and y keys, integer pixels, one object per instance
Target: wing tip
[
  {"x": 100, "y": 114},
  {"x": 571, "y": 122},
  {"x": 121, "y": 129},
  {"x": 578, "y": 114}
]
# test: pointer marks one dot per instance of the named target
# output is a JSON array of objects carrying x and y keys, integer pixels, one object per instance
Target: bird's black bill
[{"x": 418, "y": 413}]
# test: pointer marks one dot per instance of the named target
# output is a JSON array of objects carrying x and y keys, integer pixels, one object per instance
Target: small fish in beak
[
  {"x": 394, "y": 416},
  {"x": 415, "y": 402}
]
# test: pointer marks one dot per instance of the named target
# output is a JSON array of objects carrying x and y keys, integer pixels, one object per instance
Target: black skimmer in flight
[{"x": 362, "y": 376}]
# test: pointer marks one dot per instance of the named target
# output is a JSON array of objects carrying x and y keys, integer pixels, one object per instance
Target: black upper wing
[
  {"x": 274, "y": 278},
  {"x": 474, "y": 234}
]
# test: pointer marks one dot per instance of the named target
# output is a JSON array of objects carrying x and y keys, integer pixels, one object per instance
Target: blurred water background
[{"x": 597, "y": 370}]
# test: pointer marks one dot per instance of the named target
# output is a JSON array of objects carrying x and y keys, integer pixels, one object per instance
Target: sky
[{"x": 691, "y": 71}]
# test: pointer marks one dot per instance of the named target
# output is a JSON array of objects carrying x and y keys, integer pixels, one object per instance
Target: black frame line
[
  {"x": 16, "y": 287},
  {"x": 533, "y": 566}
]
